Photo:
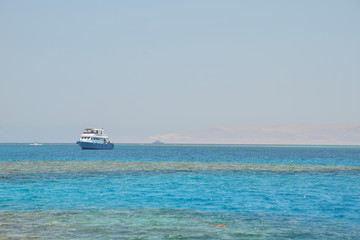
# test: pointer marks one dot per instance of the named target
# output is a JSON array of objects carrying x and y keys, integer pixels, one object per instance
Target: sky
[{"x": 168, "y": 70}]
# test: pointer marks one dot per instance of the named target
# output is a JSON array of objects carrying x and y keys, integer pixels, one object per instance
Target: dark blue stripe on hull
[{"x": 95, "y": 146}]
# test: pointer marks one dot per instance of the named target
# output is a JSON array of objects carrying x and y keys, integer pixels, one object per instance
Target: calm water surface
[{"x": 58, "y": 191}]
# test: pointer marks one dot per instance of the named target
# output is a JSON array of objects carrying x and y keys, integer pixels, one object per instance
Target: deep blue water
[
  {"x": 50, "y": 192},
  {"x": 333, "y": 155}
]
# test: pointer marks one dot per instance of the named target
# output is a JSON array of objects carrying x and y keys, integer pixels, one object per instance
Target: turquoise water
[{"x": 58, "y": 191}]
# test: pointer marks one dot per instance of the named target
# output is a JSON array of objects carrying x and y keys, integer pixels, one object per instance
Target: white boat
[
  {"x": 35, "y": 144},
  {"x": 94, "y": 138}
]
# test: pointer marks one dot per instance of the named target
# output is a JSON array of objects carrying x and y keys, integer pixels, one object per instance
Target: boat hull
[{"x": 95, "y": 146}]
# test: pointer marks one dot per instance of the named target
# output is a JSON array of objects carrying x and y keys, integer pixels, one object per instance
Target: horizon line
[{"x": 149, "y": 143}]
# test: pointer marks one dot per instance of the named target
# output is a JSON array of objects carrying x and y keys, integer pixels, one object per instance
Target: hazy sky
[{"x": 148, "y": 68}]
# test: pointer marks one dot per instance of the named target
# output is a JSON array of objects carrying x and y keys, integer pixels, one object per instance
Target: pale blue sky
[{"x": 146, "y": 68}]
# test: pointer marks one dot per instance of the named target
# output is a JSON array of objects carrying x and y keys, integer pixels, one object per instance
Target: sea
[{"x": 149, "y": 191}]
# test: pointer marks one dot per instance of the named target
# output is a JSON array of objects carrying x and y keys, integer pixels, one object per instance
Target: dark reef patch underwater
[{"x": 161, "y": 224}]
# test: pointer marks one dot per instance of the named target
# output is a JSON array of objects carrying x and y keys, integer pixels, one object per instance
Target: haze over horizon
[{"x": 241, "y": 72}]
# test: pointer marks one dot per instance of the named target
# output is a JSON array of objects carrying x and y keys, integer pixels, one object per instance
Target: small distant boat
[
  {"x": 158, "y": 142},
  {"x": 94, "y": 138},
  {"x": 35, "y": 144}
]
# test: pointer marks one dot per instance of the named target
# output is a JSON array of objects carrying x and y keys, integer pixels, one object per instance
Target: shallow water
[
  {"x": 162, "y": 223},
  {"x": 46, "y": 195}
]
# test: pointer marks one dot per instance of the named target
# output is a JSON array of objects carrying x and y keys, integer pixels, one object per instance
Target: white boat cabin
[{"x": 94, "y": 135}]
